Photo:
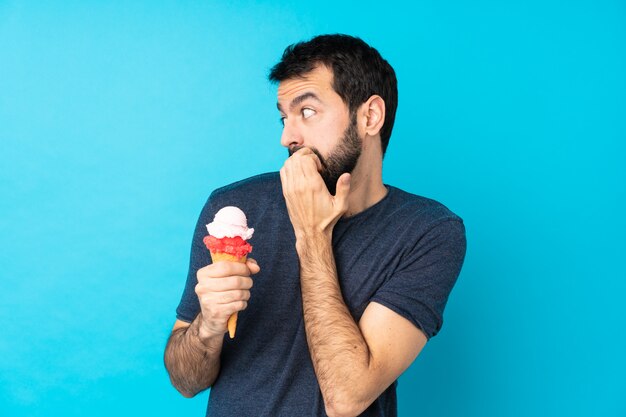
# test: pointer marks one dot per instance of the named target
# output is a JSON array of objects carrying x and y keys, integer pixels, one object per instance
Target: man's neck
[{"x": 366, "y": 188}]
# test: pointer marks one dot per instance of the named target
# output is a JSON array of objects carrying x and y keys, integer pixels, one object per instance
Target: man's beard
[{"x": 341, "y": 159}]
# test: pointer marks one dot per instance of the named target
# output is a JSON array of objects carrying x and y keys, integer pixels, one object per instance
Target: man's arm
[
  {"x": 354, "y": 363},
  {"x": 193, "y": 364},
  {"x": 192, "y": 354}
]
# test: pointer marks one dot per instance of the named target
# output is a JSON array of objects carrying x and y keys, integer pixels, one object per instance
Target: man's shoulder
[
  {"x": 425, "y": 210},
  {"x": 252, "y": 187}
]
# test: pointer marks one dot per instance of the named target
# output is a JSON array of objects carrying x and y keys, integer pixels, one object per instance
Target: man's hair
[{"x": 358, "y": 72}]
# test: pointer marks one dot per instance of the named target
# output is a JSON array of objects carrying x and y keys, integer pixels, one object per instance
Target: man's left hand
[{"x": 312, "y": 209}]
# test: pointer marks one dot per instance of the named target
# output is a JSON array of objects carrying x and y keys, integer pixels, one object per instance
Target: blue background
[{"x": 117, "y": 119}]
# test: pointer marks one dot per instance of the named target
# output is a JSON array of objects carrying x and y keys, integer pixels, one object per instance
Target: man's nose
[{"x": 291, "y": 135}]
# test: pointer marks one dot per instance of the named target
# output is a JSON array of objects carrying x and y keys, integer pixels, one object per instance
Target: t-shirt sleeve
[
  {"x": 419, "y": 288},
  {"x": 189, "y": 306}
]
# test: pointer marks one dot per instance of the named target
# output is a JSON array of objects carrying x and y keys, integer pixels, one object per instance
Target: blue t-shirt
[{"x": 405, "y": 252}]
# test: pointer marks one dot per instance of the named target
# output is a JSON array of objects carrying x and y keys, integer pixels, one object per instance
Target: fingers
[
  {"x": 300, "y": 173},
  {"x": 232, "y": 296},
  {"x": 343, "y": 190},
  {"x": 224, "y": 303},
  {"x": 220, "y": 277},
  {"x": 226, "y": 269},
  {"x": 305, "y": 162},
  {"x": 215, "y": 316},
  {"x": 223, "y": 289},
  {"x": 253, "y": 266},
  {"x": 310, "y": 155},
  {"x": 225, "y": 284}
]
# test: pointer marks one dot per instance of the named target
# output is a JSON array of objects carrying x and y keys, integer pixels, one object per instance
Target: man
[{"x": 352, "y": 275}]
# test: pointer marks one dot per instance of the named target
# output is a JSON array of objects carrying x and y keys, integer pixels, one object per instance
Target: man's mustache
[{"x": 296, "y": 148}]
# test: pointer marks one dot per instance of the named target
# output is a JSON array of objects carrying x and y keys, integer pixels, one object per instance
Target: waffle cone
[{"x": 221, "y": 256}]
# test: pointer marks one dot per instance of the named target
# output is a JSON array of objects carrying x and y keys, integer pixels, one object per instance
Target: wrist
[
  {"x": 205, "y": 336},
  {"x": 309, "y": 240}
]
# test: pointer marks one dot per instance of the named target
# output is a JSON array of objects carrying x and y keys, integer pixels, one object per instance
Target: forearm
[
  {"x": 192, "y": 362},
  {"x": 338, "y": 350}
]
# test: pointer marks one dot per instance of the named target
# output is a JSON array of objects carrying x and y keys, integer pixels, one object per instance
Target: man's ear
[{"x": 373, "y": 115}]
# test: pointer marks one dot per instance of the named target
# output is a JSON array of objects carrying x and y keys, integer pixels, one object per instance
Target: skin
[
  {"x": 192, "y": 354},
  {"x": 354, "y": 362}
]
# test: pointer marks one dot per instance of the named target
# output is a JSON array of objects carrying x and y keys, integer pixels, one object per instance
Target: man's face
[
  {"x": 341, "y": 159},
  {"x": 315, "y": 116}
]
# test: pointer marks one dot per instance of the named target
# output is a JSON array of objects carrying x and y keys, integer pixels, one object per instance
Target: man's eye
[
  {"x": 282, "y": 120},
  {"x": 306, "y": 113}
]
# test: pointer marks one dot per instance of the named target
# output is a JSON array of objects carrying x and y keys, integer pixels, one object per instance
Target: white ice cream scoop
[{"x": 230, "y": 221}]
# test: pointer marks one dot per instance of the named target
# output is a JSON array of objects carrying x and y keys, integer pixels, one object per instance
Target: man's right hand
[{"x": 223, "y": 289}]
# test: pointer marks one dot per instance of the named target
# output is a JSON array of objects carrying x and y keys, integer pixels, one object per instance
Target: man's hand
[
  {"x": 312, "y": 209},
  {"x": 223, "y": 289}
]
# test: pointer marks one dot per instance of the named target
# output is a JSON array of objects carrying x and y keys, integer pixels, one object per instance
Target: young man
[{"x": 352, "y": 275}]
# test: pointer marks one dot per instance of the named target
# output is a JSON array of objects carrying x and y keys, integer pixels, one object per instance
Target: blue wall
[{"x": 117, "y": 119}]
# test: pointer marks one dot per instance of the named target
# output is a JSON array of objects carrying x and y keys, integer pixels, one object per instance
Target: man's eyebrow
[{"x": 299, "y": 100}]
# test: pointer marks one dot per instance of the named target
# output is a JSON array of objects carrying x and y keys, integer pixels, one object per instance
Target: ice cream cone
[
  {"x": 221, "y": 256},
  {"x": 226, "y": 241}
]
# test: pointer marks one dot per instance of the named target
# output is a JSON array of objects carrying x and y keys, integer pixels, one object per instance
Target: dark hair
[{"x": 358, "y": 72}]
